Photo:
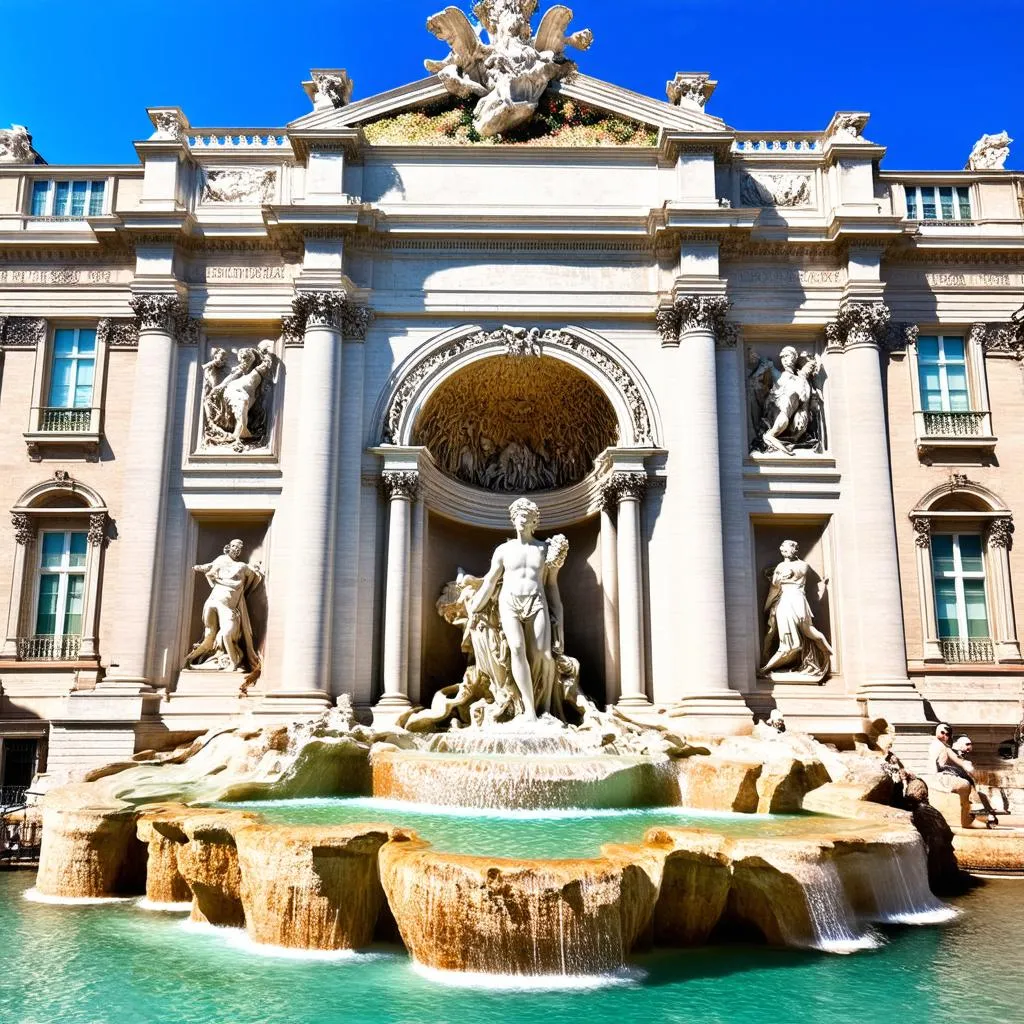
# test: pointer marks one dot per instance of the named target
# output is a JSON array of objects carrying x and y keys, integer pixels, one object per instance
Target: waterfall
[
  {"x": 836, "y": 928},
  {"x": 898, "y": 875}
]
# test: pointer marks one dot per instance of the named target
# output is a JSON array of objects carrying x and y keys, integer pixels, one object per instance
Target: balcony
[
  {"x": 975, "y": 650},
  {"x": 60, "y": 431},
  {"x": 49, "y": 648},
  {"x": 964, "y": 429}
]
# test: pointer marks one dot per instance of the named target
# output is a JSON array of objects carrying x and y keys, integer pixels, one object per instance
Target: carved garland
[
  {"x": 517, "y": 342},
  {"x": 401, "y": 483},
  {"x": 326, "y": 309},
  {"x": 24, "y": 527},
  {"x": 922, "y": 531}
]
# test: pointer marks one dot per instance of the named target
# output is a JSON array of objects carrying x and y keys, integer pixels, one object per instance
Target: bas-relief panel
[{"x": 785, "y": 400}]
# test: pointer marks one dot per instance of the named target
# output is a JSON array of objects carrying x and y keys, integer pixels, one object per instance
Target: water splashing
[
  {"x": 899, "y": 882},
  {"x": 836, "y": 929}
]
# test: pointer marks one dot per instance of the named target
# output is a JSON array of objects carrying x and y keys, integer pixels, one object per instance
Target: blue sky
[{"x": 934, "y": 75}]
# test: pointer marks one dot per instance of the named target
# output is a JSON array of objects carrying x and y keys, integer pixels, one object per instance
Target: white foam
[
  {"x": 33, "y": 895},
  {"x": 853, "y": 944},
  {"x": 239, "y": 939},
  {"x": 936, "y": 915},
  {"x": 164, "y": 908},
  {"x": 530, "y": 982}
]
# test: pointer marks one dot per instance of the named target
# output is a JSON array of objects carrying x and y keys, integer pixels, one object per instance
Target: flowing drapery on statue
[
  {"x": 512, "y": 633},
  {"x": 791, "y": 638},
  {"x": 227, "y": 643}
]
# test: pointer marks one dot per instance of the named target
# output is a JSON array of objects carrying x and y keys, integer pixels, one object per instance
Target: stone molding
[
  {"x": 167, "y": 313},
  {"x": 22, "y": 331},
  {"x": 1000, "y": 533},
  {"x": 859, "y": 323},
  {"x": 24, "y": 527},
  {"x": 516, "y": 338},
  {"x": 696, "y": 313},
  {"x": 326, "y": 309},
  {"x": 400, "y": 483},
  {"x": 117, "y": 333}
]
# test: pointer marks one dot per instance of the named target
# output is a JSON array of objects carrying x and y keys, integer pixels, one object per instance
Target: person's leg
[
  {"x": 516, "y": 637},
  {"x": 541, "y": 660}
]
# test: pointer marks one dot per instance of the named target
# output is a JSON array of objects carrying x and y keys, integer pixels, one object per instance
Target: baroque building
[{"x": 265, "y": 393}]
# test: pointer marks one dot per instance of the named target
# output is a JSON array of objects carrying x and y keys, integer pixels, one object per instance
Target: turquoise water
[
  {"x": 549, "y": 834},
  {"x": 116, "y": 964}
]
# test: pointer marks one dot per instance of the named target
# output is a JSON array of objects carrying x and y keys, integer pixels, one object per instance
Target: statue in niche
[
  {"x": 512, "y": 632},
  {"x": 791, "y": 638},
  {"x": 785, "y": 408},
  {"x": 236, "y": 401},
  {"x": 227, "y": 643}
]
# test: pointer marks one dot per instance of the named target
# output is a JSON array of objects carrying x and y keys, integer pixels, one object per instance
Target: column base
[
  {"x": 895, "y": 700},
  {"x": 389, "y": 709},
  {"x": 719, "y": 713},
  {"x": 290, "y": 703}
]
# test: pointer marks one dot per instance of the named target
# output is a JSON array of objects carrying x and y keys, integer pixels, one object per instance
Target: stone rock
[
  {"x": 312, "y": 887},
  {"x": 989, "y": 851},
  {"x": 785, "y": 781},
  {"x": 716, "y": 783},
  {"x": 89, "y": 849},
  {"x": 208, "y": 862},
  {"x": 945, "y": 856},
  {"x": 160, "y": 828},
  {"x": 771, "y": 898},
  {"x": 488, "y": 914},
  {"x": 695, "y": 883}
]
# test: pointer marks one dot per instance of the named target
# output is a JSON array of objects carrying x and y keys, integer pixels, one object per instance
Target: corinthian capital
[
  {"x": 695, "y": 313},
  {"x": 858, "y": 323},
  {"x": 160, "y": 312},
  {"x": 327, "y": 309},
  {"x": 401, "y": 483},
  {"x": 630, "y": 485}
]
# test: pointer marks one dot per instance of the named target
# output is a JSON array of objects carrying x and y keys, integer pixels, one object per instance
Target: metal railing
[
  {"x": 20, "y": 837},
  {"x": 12, "y": 796},
  {"x": 967, "y": 650},
  {"x": 49, "y": 648},
  {"x": 65, "y": 421},
  {"x": 953, "y": 424}
]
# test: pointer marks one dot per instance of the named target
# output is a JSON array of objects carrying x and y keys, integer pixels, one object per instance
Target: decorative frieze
[
  {"x": 858, "y": 323},
  {"x": 22, "y": 331},
  {"x": 695, "y": 313},
  {"x": 117, "y": 333},
  {"x": 24, "y": 527},
  {"x": 400, "y": 483},
  {"x": 1000, "y": 533},
  {"x": 326, "y": 309},
  {"x": 240, "y": 186},
  {"x": 783, "y": 190}
]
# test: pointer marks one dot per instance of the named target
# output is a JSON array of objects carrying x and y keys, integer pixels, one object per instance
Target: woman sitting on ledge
[{"x": 958, "y": 770}]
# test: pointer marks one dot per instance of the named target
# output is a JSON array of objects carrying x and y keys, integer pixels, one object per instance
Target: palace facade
[{"x": 351, "y": 342}]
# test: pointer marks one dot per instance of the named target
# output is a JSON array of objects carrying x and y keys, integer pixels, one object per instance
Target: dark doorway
[{"x": 19, "y": 762}]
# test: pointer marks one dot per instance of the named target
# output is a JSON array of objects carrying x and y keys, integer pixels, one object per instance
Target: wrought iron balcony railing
[
  {"x": 65, "y": 421},
  {"x": 953, "y": 424},
  {"x": 49, "y": 648},
  {"x": 12, "y": 796},
  {"x": 975, "y": 650}
]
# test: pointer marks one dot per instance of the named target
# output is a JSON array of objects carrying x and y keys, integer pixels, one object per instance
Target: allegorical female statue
[
  {"x": 227, "y": 642},
  {"x": 797, "y": 643}
]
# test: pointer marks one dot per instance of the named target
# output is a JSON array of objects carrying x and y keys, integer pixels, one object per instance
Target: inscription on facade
[
  {"x": 200, "y": 274},
  {"x": 54, "y": 275}
]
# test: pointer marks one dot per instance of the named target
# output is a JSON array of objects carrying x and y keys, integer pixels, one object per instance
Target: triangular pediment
[{"x": 594, "y": 93}]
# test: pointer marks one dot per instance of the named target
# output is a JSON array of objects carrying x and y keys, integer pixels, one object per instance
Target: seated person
[{"x": 949, "y": 763}]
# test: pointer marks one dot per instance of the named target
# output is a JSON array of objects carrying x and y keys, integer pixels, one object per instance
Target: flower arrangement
[{"x": 559, "y": 121}]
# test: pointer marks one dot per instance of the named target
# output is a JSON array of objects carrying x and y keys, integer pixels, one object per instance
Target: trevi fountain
[{"x": 512, "y": 849}]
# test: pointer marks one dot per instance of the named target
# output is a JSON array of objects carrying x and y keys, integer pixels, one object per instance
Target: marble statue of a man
[
  {"x": 227, "y": 641},
  {"x": 791, "y": 630},
  {"x": 529, "y": 606}
]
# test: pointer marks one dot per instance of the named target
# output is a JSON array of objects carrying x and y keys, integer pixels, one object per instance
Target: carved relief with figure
[
  {"x": 236, "y": 399},
  {"x": 785, "y": 407}
]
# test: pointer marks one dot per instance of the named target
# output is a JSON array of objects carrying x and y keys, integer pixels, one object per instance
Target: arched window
[
  {"x": 963, "y": 535},
  {"x": 60, "y": 528}
]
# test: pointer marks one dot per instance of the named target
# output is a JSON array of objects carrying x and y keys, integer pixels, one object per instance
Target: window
[
  {"x": 68, "y": 198},
  {"x": 72, "y": 373},
  {"x": 61, "y": 594},
  {"x": 938, "y": 202},
  {"x": 942, "y": 366},
  {"x": 961, "y": 611}
]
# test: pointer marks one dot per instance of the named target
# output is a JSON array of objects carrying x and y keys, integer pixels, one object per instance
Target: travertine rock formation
[
  {"x": 312, "y": 887},
  {"x": 160, "y": 829}
]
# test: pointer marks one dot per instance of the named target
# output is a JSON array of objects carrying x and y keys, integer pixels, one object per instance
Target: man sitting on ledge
[{"x": 955, "y": 774}]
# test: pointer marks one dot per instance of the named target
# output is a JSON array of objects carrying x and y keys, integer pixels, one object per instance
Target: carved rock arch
[{"x": 416, "y": 379}]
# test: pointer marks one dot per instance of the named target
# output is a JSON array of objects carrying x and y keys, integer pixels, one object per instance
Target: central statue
[{"x": 512, "y": 633}]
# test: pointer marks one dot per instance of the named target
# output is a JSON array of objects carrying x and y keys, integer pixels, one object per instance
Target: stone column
[
  {"x": 693, "y": 663},
  {"x": 97, "y": 537},
  {"x": 401, "y": 487},
  {"x": 932, "y": 649},
  {"x": 610, "y": 592},
  {"x": 310, "y": 498},
  {"x": 1004, "y": 633},
  {"x": 161, "y": 317},
  {"x": 25, "y": 536},
  {"x": 869, "y": 528},
  {"x": 629, "y": 488}
]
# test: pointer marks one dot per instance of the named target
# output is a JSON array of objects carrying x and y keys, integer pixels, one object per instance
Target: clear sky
[{"x": 934, "y": 75}]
